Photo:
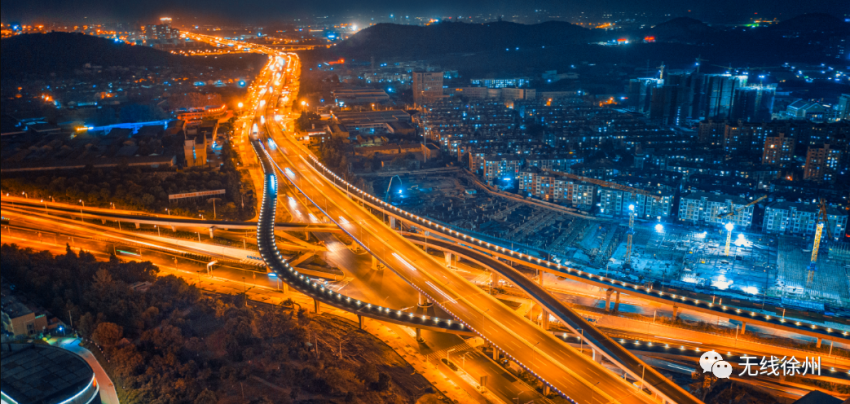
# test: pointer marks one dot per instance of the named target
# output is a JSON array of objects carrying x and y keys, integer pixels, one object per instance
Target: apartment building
[
  {"x": 616, "y": 202},
  {"x": 778, "y": 149},
  {"x": 822, "y": 162},
  {"x": 556, "y": 189},
  {"x": 801, "y": 219},
  {"x": 704, "y": 208}
]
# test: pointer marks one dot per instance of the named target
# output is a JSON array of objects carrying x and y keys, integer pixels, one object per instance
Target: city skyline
[{"x": 268, "y": 12}]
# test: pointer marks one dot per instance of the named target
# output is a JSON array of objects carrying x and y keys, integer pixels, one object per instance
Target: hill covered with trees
[
  {"x": 170, "y": 344},
  {"x": 504, "y": 47},
  {"x": 61, "y": 52}
]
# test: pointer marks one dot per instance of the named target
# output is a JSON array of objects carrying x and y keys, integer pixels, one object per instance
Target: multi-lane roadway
[{"x": 560, "y": 366}]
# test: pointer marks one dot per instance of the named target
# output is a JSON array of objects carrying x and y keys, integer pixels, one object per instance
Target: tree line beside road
[{"x": 169, "y": 343}]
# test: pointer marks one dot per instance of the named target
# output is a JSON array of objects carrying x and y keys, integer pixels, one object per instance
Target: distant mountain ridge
[
  {"x": 812, "y": 22},
  {"x": 440, "y": 39},
  {"x": 62, "y": 52},
  {"x": 452, "y": 37}
]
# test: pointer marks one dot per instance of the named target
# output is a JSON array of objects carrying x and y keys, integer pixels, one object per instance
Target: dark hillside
[
  {"x": 452, "y": 37},
  {"x": 60, "y": 52}
]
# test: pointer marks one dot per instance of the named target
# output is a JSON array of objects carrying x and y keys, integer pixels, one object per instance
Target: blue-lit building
[{"x": 36, "y": 373}]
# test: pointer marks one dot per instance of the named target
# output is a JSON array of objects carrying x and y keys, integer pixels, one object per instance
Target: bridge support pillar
[
  {"x": 617, "y": 302},
  {"x": 675, "y": 312},
  {"x": 744, "y": 330},
  {"x": 212, "y": 231},
  {"x": 448, "y": 259},
  {"x": 316, "y": 306},
  {"x": 374, "y": 263},
  {"x": 423, "y": 301},
  {"x": 608, "y": 299},
  {"x": 597, "y": 356},
  {"x": 544, "y": 315},
  {"x": 285, "y": 287},
  {"x": 174, "y": 229},
  {"x": 418, "y": 334},
  {"x": 540, "y": 277},
  {"x": 138, "y": 225},
  {"x": 819, "y": 342},
  {"x": 360, "y": 321},
  {"x": 495, "y": 352},
  {"x": 546, "y": 390},
  {"x": 392, "y": 222},
  {"x": 102, "y": 221}
]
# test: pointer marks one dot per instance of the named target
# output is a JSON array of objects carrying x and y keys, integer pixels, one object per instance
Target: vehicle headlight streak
[
  {"x": 315, "y": 288},
  {"x": 447, "y": 297},
  {"x": 355, "y": 192},
  {"x": 402, "y": 260}
]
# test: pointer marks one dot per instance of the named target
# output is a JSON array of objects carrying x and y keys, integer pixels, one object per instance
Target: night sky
[{"x": 264, "y": 11}]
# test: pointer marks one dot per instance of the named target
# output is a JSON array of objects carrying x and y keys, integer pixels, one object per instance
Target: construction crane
[
  {"x": 605, "y": 184},
  {"x": 733, "y": 212},
  {"x": 729, "y": 226},
  {"x": 823, "y": 221}
]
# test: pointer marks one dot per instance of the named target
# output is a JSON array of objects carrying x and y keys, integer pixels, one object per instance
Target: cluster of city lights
[{"x": 459, "y": 236}]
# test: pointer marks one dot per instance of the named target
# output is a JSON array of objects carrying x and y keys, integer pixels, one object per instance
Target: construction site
[{"x": 761, "y": 268}]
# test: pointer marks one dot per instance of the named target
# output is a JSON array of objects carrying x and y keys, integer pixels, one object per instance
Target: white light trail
[{"x": 447, "y": 297}]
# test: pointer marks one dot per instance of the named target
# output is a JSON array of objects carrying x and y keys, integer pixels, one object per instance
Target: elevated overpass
[
  {"x": 561, "y": 367},
  {"x": 695, "y": 302},
  {"x": 321, "y": 295},
  {"x": 602, "y": 345},
  {"x": 558, "y": 365},
  {"x": 160, "y": 220}
]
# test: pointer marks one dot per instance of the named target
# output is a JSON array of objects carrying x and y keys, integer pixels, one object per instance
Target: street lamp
[{"x": 81, "y": 209}]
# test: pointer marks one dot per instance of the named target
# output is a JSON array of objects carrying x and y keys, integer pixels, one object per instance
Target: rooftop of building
[
  {"x": 716, "y": 197},
  {"x": 354, "y": 118},
  {"x": 805, "y": 207},
  {"x": 13, "y": 308},
  {"x": 42, "y": 373}
]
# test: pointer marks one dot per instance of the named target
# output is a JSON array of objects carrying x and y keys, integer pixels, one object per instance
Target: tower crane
[
  {"x": 729, "y": 226},
  {"x": 823, "y": 221},
  {"x": 616, "y": 186},
  {"x": 605, "y": 184}
]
